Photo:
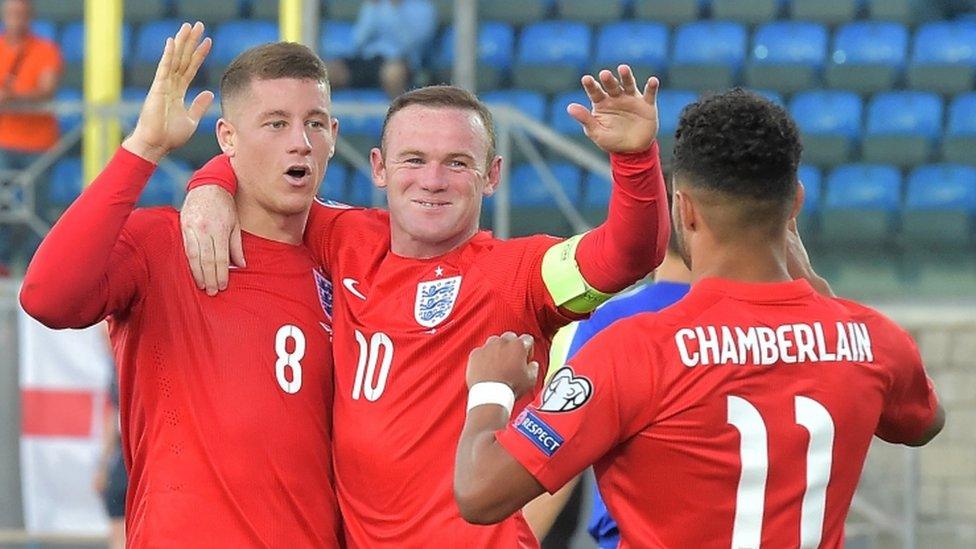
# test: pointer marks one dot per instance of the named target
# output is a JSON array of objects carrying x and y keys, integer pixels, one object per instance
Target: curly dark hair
[{"x": 738, "y": 143}]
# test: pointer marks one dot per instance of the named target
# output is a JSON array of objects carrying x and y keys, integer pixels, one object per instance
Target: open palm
[
  {"x": 621, "y": 119},
  {"x": 165, "y": 123}
]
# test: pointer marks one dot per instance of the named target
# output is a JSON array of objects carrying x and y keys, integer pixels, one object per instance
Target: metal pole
[
  {"x": 465, "y": 70},
  {"x": 103, "y": 82},
  {"x": 910, "y": 524},
  {"x": 298, "y": 21},
  {"x": 501, "y": 224}
]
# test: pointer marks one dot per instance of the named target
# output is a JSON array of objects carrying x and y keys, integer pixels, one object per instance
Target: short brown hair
[
  {"x": 443, "y": 96},
  {"x": 270, "y": 62}
]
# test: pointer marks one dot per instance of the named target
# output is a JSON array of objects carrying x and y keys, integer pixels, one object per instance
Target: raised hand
[
  {"x": 798, "y": 262},
  {"x": 622, "y": 119},
  {"x": 165, "y": 123}
]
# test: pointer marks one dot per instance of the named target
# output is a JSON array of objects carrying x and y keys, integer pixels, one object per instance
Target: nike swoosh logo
[{"x": 350, "y": 284}]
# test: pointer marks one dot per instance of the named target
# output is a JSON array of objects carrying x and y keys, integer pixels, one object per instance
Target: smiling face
[
  {"x": 280, "y": 137},
  {"x": 435, "y": 168}
]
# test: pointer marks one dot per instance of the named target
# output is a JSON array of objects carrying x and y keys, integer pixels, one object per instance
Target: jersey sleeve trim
[{"x": 564, "y": 281}]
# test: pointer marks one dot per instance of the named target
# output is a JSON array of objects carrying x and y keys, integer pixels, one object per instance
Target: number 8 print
[{"x": 291, "y": 360}]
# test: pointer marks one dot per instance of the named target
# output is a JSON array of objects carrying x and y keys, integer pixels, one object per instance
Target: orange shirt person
[{"x": 30, "y": 67}]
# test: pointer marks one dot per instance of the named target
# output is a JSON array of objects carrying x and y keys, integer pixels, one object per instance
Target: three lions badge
[{"x": 435, "y": 300}]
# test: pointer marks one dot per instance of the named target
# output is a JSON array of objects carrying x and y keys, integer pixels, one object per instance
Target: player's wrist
[
  {"x": 141, "y": 148},
  {"x": 491, "y": 392}
]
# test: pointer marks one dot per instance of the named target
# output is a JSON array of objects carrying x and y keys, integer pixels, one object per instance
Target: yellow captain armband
[{"x": 565, "y": 282}]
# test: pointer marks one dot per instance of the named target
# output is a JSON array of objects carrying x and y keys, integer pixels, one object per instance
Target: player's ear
[
  {"x": 801, "y": 196},
  {"x": 377, "y": 167},
  {"x": 494, "y": 176},
  {"x": 334, "y": 122},
  {"x": 684, "y": 211},
  {"x": 226, "y": 137}
]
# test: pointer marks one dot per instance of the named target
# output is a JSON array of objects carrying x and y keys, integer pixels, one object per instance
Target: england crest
[
  {"x": 323, "y": 286},
  {"x": 435, "y": 300}
]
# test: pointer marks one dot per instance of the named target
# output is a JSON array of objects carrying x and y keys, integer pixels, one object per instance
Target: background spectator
[{"x": 391, "y": 36}]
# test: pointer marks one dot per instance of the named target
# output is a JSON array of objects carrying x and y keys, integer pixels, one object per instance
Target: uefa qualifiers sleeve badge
[{"x": 566, "y": 391}]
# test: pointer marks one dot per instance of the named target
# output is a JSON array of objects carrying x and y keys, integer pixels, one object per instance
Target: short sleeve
[
  {"x": 599, "y": 399},
  {"x": 910, "y": 403}
]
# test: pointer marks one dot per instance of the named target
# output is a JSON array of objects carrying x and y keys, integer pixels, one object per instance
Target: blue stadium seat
[
  {"x": 73, "y": 42},
  {"x": 335, "y": 184},
  {"x": 233, "y": 37},
  {"x": 962, "y": 115},
  {"x": 868, "y": 56},
  {"x": 707, "y": 55},
  {"x": 812, "y": 180},
  {"x": 944, "y": 57},
  {"x": 147, "y": 48},
  {"x": 360, "y": 131},
  {"x": 559, "y": 119},
  {"x": 161, "y": 190},
  {"x": 790, "y": 43},
  {"x": 496, "y": 50},
  {"x": 830, "y": 121},
  {"x": 552, "y": 56},
  {"x": 65, "y": 184},
  {"x": 596, "y": 192},
  {"x": 529, "y": 102},
  {"x": 46, "y": 29},
  {"x": 940, "y": 206},
  {"x": 905, "y": 112},
  {"x": 336, "y": 40},
  {"x": 68, "y": 122},
  {"x": 862, "y": 204},
  {"x": 902, "y": 127},
  {"x": 669, "y": 106},
  {"x": 563, "y": 42},
  {"x": 828, "y": 112},
  {"x": 360, "y": 191},
  {"x": 959, "y": 141},
  {"x": 151, "y": 38},
  {"x": 642, "y": 45},
  {"x": 809, "y": 217},
  {"x": 370, "y": 125},
  {"x": 945, "y": 43},
  {"x": 787, "y": 56},
  {"x": 73, "y": 52},
  {"x": 528, "y": 190},
  {"x": 943, "y": 187}
]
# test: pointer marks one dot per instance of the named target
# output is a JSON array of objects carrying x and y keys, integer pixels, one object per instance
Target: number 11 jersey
[{"x": 738, "y": 417}]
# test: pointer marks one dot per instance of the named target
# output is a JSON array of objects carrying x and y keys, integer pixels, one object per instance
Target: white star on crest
[{"x": 438, "y": 272}]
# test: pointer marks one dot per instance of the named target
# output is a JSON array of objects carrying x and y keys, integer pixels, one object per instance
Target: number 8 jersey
[{"x": 738, "y": 417}]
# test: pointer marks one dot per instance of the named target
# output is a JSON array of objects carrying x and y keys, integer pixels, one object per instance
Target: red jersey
[
  {"x": 738, "y": 417},
  {"x": 225, "y": 401},
  {"x": 403, "y": 330}
]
